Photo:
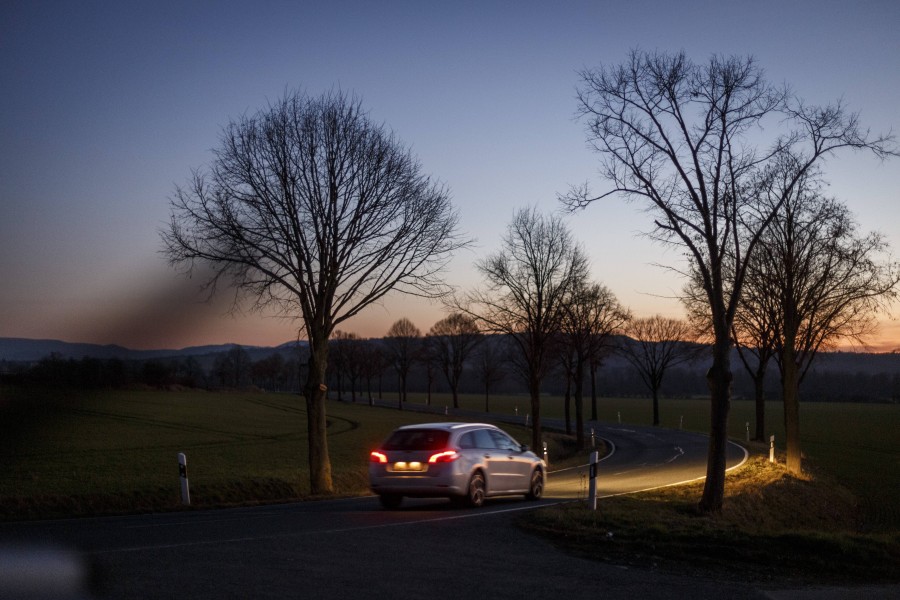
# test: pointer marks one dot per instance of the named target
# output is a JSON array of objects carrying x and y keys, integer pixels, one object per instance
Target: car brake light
[
  {"x": 442, "y": 457},
  {"x": 377, "y": 457}
]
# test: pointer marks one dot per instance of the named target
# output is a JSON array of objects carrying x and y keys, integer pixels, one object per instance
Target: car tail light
[
  {"x": 377, "y": 457},
  {"x": 442, "y": 457}
]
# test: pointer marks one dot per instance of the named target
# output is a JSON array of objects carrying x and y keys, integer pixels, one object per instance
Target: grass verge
[{"x": 773, "y": 527}]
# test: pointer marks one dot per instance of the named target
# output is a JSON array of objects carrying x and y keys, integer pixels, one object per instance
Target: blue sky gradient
[{"x": 107, "y": 106}]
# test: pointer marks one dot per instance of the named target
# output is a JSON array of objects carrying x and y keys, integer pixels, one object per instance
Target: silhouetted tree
[
  {"x": 373, "y": 362},
  {"x": 453, "y": 339},
  {"x": 312, "y": 209},
  {"x": 658, "y": 343},
  {"x": 346, "y": 352},
  {"x": 592, "y": 314},
  {"x": 677, "y": 135},
  {"x": 527, "y": 282},
  {"x": 830, "y": 283},
  {"x": 267, "y": 371},
  {"x": 403, "y": 345},
  {"x": 490, "y": 366}
]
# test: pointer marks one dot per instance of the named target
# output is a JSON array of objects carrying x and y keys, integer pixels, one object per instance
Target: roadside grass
[{"x": 773, "y": 527}]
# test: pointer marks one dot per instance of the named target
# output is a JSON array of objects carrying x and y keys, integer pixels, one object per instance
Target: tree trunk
[
  {"x": 568, "y": 403},
  {"x": 593, "y": 392},
  {"x": 718, "y": 379},
  {"x": 534, "y": 388},
  {"x": 455, "y": 391},
  {"x": 579, "y": 405},
  {"x": 655, "y": 393},
  {"x": 758, "y": 385},
  {"x": 790, "y": 390},
  {"x": 487, "y": 391},
  {"x": 315, "y": 392}
]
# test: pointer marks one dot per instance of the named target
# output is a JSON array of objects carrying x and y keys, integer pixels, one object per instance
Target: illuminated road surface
[{"x": 641, "y": 458}]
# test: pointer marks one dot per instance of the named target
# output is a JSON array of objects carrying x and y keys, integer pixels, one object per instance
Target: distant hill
[{"x": 28, "y": 350}]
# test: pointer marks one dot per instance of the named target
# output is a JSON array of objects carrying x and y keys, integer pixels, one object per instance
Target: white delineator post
[
  {"x": 182, "y": 473},
  {"x": 772, "y": 449},
  {"x": 592, "y": 485}
]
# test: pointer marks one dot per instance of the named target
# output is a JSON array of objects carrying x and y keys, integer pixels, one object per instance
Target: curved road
[
  {"x": 353, "y": 549},
  {"x": 641, "y": 458}
]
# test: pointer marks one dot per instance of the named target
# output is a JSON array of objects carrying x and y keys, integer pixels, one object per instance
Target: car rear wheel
[
  {"x": 536, "y": 490},
  {"x": 390, "y": 501},
  {"x": 475, "y": 494}
]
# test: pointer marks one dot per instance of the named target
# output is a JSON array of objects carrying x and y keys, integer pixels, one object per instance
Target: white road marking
[{"x": 322, "y": 532}]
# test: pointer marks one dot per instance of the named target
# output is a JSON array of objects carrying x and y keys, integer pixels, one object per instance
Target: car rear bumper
[{"x": 416, "y": 485}]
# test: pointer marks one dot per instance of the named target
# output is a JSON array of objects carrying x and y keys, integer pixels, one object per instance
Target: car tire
[
  {"x": 536, "y": 489},
  {"x": 390, "y": 501},
  {"x": 476, "y": 490}
]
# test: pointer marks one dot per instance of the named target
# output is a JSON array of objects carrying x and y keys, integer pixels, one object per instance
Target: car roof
[{"x": 449, "y": 426}]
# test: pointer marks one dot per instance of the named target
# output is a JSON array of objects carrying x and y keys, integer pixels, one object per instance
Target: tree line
[{"x": 361, "y": 372}]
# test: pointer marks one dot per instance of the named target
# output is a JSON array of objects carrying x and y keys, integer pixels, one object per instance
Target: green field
[{"x": 83, "y": 453}]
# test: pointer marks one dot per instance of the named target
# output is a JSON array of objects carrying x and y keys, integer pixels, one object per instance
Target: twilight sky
[{"x": 106, "y": 106}]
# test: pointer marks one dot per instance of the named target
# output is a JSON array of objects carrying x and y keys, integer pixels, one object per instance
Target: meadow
[{"x": 116, "y": 451}]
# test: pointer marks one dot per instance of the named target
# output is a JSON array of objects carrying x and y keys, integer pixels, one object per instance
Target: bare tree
[
  {"x": 754, "y": 337},
  {"x": 402, "y": 343},
  {"x": 373, "y": 364},
  {"x": 592, "y": 314},
  {"x": 657, "y": 343},
  {"x": 453, "y": 339},
  {"x": 428, "y": 358},
  {"x": 527, "y": 282},
  {"x": 232, "y": 368},
  {"x": 830, "y": 283},
  {"x": 267, "y": 371},
  {"x": 313, "y": 210},
  {"x": 677, "y": 135},
  {"x": 347, "y": 356},
  {"x": 490, "y": 361}
]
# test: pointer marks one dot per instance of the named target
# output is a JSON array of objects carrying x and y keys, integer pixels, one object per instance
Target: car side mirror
[{"x": 523, "y": 447}]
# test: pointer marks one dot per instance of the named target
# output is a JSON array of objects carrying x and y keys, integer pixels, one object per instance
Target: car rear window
[{"x": 417, "y": 439}]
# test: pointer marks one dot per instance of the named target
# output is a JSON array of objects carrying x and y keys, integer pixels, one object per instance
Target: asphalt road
[
  {"x": 641, "y": 458},
  {"x": 354, "y": 549}
]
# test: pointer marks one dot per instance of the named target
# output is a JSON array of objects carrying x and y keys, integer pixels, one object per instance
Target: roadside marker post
[
  {"x": 593, "y": 440},
  {"x": 620, "y": 417},
  {"x": 182, "y": 473},
  {"x": 772, "y": 449},
  {"x": 546, "y": 459},
  {"x": 748, "y": 431},
  {"x": 592, "y": 485}
]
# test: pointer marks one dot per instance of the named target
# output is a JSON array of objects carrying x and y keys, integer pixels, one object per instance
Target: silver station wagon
[{"x": 466, "y": 462}]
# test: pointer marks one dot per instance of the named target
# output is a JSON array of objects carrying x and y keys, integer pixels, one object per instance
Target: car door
[
  {"x": 495, "y": 460},
  {"x": 508, "y": 460}
]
